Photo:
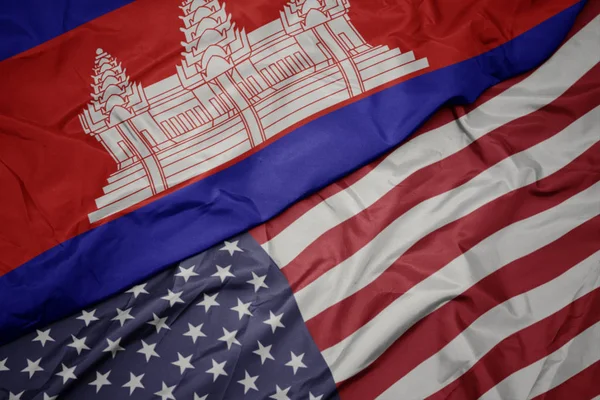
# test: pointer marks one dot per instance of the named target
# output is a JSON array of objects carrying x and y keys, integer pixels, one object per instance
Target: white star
[
  {"x": 166, "y": 392},
  {"x": 135, "y": 382},
  {"x": 196, "y": 397},
  {"x": 280, "y": 394},
  {"x": 43, "y": 337},
  {"x": 274, "y": 321},
  {"x": 186, "y": 273},
  {"x": 223, "y": 273},
  {"x": 78, "y": 344},
  {"x": 249, "y": 382},
  {"x": 159, "y": 323},
  {"x": 231, "y": 247},
  {"x": 3, "y": 366},
  {"x": 148, "y": 350},
  {"x": 183, "y": 363},
  {"x": 12, "y": 396},
  {"x": 33, "y": 367},
  {"x": 123, "y": 316},
  {"x": 242, "y": 309},
  {"x": 194, "y": 332},
  {"x": 113, "y": 347},
  {"x": 296, "y": 362},
  {"x": 209, "y": 301},
  {"x": 137, "y": 290},
  {"x": 88, "y": 317},
  {"x": 217, "y": 369},
  {"x": 101, "y": 380},
  {"x": 67, "y": 373},
  {"x": 48, "y": 397},
  {"x": 229, "y": 338},
  {"x": 173, "y": 298},
  {"x": 313, "y": 397},
  {"x": 264, "y": 352},
  {"x": 258, "y": 282}
]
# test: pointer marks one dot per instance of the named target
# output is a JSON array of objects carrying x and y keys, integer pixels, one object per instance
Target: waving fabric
[
  {"x": 163, "y": 127},
  {"x": 461, "y": 264}
]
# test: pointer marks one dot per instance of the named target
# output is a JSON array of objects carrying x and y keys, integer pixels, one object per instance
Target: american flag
[
  {"x": 222, "y": 324},
  {"x": 463, "y": 265}
]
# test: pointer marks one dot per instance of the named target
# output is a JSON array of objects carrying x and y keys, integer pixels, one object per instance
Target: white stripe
[
  {"x": 491, "y": 328},
  {"x": 542, "y": 87},
  {"x": 517, "y": 171},
  {"x": 551, "y": 371},
  {"x": 491, "y": 254}
]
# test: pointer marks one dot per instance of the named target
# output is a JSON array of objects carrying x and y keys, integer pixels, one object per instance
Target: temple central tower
[{"x": 212, "y": 46}]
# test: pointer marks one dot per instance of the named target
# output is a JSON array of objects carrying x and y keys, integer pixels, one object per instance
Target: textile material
[
  {"x": 222, "y": 324},
  {"x": 22, "y": 29},
  {"x": 126, "y": 147},
  {"x": 464, "y": 264}
]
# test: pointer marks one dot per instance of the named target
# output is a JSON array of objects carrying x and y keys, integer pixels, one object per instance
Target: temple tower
[
  {"x": 212, "y": 49},
  {"x": 114, "y": 97},
  {"x": 212, "y": 46},
  {"x": 326, "y": 23},
  {"x": 118, "y": 117}
]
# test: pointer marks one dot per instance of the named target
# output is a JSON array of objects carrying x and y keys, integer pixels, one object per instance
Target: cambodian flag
[{"x": 134, "y": 135}]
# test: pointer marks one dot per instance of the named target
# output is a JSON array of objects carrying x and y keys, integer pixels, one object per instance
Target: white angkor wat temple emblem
[{"x": 232, "y": 91}]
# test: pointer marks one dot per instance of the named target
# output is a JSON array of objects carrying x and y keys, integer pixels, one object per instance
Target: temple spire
[
  {"x": 114, "y": 97},
  {"x": 298, "y": 15},
  {"x": 111, "y": 85},
  {"x": 210, "y": 37}
]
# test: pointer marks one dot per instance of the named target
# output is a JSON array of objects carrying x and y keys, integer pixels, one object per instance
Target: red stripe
[
  {"x": 436, "y": 330},
  {"x": 437, "y": 249},
  {"x": 345, "y": 239},
  {"x": 583, "y": 386},
  {"x": 429, "y": 26},
  {"x": 525, "y": 347}
]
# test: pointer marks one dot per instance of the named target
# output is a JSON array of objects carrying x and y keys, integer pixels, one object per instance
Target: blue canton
[{"x": 220, "y": 325}]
